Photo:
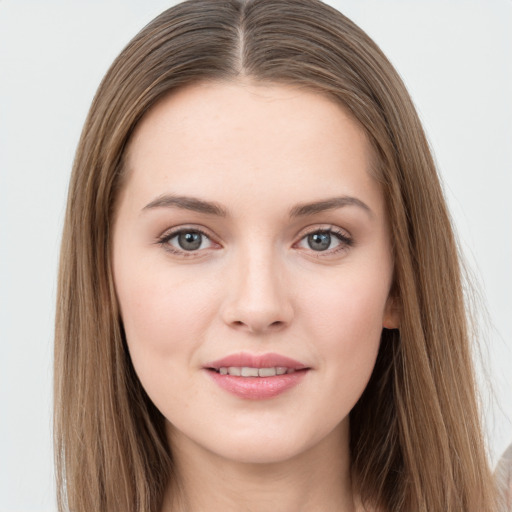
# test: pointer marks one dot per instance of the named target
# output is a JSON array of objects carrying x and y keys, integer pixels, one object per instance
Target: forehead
[
  {"x": 224, "y": 137},
  {"x": 239, "y": 106}
]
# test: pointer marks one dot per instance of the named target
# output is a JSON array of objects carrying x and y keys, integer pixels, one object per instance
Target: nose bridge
[{"x": 258, "y": 299}]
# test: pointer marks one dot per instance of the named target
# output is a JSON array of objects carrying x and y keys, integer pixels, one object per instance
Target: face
[{"x": 252, "y": 265}]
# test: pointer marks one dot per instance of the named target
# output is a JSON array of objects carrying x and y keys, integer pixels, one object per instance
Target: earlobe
[{"x": 391, "y": 318}]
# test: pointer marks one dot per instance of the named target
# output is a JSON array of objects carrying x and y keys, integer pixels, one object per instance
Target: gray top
[{"x": 503, "y": 476}]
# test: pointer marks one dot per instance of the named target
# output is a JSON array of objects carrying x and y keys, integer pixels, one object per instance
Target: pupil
[
  {"x": 190, "y": 241},
  {"x": 319, "y": 241}
]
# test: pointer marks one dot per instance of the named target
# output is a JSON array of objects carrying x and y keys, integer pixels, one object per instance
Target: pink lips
[{"x": 257, "y": 388}]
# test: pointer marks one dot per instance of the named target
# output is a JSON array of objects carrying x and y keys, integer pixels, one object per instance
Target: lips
[
  {"x": 269, "y": 360},
  {"x": 256, "y": 377}
]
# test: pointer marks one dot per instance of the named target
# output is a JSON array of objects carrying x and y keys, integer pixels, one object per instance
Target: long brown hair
[{"x": 416, "y": 442}]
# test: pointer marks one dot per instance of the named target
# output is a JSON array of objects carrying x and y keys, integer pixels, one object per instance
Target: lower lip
[{"x": 257, "y": 388}]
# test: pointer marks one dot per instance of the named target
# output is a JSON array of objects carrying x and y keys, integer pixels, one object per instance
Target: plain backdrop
[{"x": 456, "y": 59}]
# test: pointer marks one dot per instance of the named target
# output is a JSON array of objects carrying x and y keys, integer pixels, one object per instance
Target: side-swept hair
[{"x": 416, "y": 442}]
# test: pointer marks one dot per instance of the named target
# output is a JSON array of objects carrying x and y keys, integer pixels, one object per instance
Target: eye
[
  {"x": 319, "y": 241},
  {"x": 186, "y": 240},
  {"x": 322, "y": 240},
  {"x": 189, "y": 241}
]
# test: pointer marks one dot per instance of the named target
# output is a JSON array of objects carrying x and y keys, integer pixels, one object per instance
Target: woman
[{"x": 260, "y": 299}]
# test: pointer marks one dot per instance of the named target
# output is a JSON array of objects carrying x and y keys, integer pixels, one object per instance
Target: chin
[
  {"x": 272, "y": 451},
  {"x": 263, "y": 445}
]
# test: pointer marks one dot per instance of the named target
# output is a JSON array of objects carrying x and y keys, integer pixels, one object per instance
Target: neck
[{"x": 316, "y": 480}]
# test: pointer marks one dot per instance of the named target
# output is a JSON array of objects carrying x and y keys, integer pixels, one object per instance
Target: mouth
[
  {"x": 248, "y": 371},
  {"x": 256, "y": 377},
  {"x": 244, "y": 364}
]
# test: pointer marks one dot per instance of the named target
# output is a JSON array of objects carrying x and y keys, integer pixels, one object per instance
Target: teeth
[
  {"x": 247, "y": 371},
  {"x": 266, "y": 372}
]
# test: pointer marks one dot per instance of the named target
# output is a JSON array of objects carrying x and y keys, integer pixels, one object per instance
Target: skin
[{"x": 254, "y": 285}]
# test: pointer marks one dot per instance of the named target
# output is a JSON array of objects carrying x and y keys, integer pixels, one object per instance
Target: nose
[{"x": 258, "y": 299}]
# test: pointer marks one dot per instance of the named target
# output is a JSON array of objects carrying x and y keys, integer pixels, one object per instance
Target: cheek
[
  {"x": 165, "y": 317},
  {"x": 345, "y": 325},
  {"x": 350, "y": 307},
  {"x": 164, "y": 313}
]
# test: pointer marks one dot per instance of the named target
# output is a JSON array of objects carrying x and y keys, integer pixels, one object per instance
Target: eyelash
[
  {"x": 168, "y": 236},
  {"x": 345, "y": 241}
]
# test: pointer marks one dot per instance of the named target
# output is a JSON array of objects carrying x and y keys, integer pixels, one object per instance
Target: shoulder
[{"x": 503, "y": 476}]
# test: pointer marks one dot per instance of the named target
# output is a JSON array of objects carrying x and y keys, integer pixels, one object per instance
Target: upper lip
[{"x": 269, "y": 360}]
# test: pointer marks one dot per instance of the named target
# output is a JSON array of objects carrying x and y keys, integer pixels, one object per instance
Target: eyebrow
[
  {"x": 187, "y": 203},
  {"x": 328, "y": 204},
  {"x": 211, "y": 208}
]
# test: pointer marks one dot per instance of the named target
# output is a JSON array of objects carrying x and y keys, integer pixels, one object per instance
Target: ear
[{"x": 391, "y": 318}]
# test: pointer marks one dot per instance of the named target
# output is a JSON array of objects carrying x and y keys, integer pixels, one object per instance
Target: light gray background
[{"x": 455, "y": 57}]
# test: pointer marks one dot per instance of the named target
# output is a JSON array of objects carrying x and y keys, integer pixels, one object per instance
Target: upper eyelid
[
  {"x": 324, "y": 228},
  {"x": 171, "y": 232}
]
